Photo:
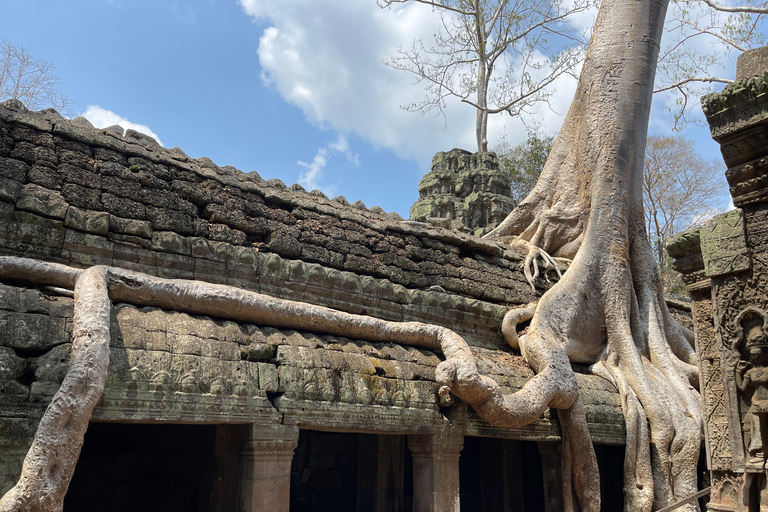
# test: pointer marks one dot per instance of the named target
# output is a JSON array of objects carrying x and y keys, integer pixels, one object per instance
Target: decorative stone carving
[{"x": 751, "y": 375}]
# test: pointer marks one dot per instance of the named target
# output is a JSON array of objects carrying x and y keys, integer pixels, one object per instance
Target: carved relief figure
[{"x": 752, "y": 381}]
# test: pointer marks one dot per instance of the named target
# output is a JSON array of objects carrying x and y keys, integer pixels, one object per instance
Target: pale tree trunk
[
  {"x": 51, "y": 460},
  {"x": 608, "y": 309},
  {"x": 481, "y": 122}
]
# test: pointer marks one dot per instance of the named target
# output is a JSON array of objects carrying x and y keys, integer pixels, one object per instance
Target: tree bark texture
[
  {"x": 608, "y": 310},
  {"x": 51, "y": 460}
]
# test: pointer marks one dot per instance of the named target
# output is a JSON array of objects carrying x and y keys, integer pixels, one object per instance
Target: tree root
[
  {"x": 512, "y": 319},
  {"x": 49, "y": 466},
  {"x": 51, "y": 460},
  {"x": 533, "y": 255}
]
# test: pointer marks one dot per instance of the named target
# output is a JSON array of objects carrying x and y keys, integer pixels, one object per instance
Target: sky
[{"x": 292, "y": 89}]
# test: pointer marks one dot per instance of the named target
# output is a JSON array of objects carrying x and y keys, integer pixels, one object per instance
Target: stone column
[
  {"x": 265, "y": 468},
  {"x": 436, "y": 471},
  {"x": 732, "y": 326}
]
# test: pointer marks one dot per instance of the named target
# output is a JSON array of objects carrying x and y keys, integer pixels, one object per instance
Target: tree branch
[
  {"x": 704, "y": 79},
  {"x": 741, "y": 9}
]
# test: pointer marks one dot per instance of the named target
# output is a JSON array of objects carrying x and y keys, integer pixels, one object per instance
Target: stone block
[
  {"x": 268, "y": 377},
  {"x": 122, "y": 207},
  {"x": 169, "y": 241},
  {"x": 165, "y": 219},
  {"x": 9, "y": 297},
  {"x": 41, "y": 393},
  {"x": 9, "y": 190},
  {"x": 134, "y": 258},
  {"x": 52, "y": 366},
  {"x": 184, "y": 324},
  {"x": 211, "y": 271},
  {"x": 11, "y": 365},
  {"x": 175, "y": 266},
  {"x": 88, "y": 221},
  {"x": 32, "y": 331},
  {"x": 14, "y": 169},
  {"x": 37, "y": 199},
  {"x": 232, "y": 332},
  {"x": 140, "y": 228},
  {"x": 82, "y": 197},
  {"x": 229, "y": 351},
  {"x": 224, "y": 233},
  {"x": 85, "y": 249}
]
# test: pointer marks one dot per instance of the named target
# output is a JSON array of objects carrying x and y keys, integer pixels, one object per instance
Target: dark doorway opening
[
  {"x": 610, "y": 461},
  {"x": 500, "y": 475},
  {"x": 130, "y": 467},
  {"x": 324, "y": 472}
]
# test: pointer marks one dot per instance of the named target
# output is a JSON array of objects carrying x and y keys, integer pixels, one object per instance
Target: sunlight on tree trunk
[{"x": 608, "y": 309}]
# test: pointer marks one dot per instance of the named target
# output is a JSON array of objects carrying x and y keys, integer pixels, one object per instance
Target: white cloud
[
  {"x": 312, "y": 176},
  {"x": 326, "y": 58},
  {"x": 101, "y": 118}
]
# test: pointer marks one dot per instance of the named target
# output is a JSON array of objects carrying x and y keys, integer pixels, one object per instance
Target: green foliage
[{"x": 525, "y": 162}]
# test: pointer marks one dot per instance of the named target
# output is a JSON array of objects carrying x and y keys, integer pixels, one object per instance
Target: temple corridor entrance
[{"x": 148, "y": 468}]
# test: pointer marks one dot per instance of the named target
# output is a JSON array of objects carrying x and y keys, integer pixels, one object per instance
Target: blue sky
[{"x": 292, "y": 89}]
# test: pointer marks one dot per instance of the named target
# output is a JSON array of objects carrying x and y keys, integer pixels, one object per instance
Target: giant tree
[
  {"x": 491, "y": 54},
  {"x": 608, "y": 309}
]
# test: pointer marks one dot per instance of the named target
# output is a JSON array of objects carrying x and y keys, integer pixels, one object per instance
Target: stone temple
[
  {"x": 214, "y": 414},
  {"x": 464, "y": 191},
  {"x": 210, "y": 408}
]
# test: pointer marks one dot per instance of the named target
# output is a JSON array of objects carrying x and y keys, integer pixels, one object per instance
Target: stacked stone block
[{"x": 464, "y": 191}]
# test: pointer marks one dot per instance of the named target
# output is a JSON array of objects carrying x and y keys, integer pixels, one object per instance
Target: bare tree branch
[
  {"x": 28, "y": 80},
  {"x": 488, "y": 54},
  {"x": 745, "y": 8},
  {"x": 703, "y": 79}
]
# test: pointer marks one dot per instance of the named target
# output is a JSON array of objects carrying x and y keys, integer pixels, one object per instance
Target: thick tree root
[
  {"x": 50, "y": 464},
  {"x": 51, "y": 460}
]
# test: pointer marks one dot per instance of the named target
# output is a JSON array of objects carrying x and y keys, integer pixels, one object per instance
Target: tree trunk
[
  {"x": 51, "y": 460},
  {"x": 481, "y": 121},
  {"x": 608, "y": 309}
]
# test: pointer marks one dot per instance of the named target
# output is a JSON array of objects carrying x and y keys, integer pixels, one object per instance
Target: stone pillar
[
  {"x": 380, "y": 473},
  {"x": 436, "y": 486},
  {"x": 725, "y": 266},
  {"x": 265, "y": 468}
]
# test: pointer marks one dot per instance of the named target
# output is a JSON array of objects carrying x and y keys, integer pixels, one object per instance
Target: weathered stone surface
[
  {"x": 37, "y": 199},
  {"x": 724, "y": 244},
  {"x": 11, "y": 366},
  {"x": 464, "y": 191},
  {"x": 9, "y": 190},
  {"x": 29, "y": 331},
  {"x": 752, "y": 63},
  {"x": 89, "y": 221}
]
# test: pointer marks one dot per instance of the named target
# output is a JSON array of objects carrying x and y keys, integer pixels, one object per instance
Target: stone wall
[
  {"x": 75, "y": 195},
  {"x": 80, "y": 196}
]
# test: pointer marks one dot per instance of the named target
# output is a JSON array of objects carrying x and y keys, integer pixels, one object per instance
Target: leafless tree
[
  {"x": 679, "y": 187},
  {"x": 491, "y": 54},
  {"x": 699, "y": 34},
  {"x": 28, "y": 80}
]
